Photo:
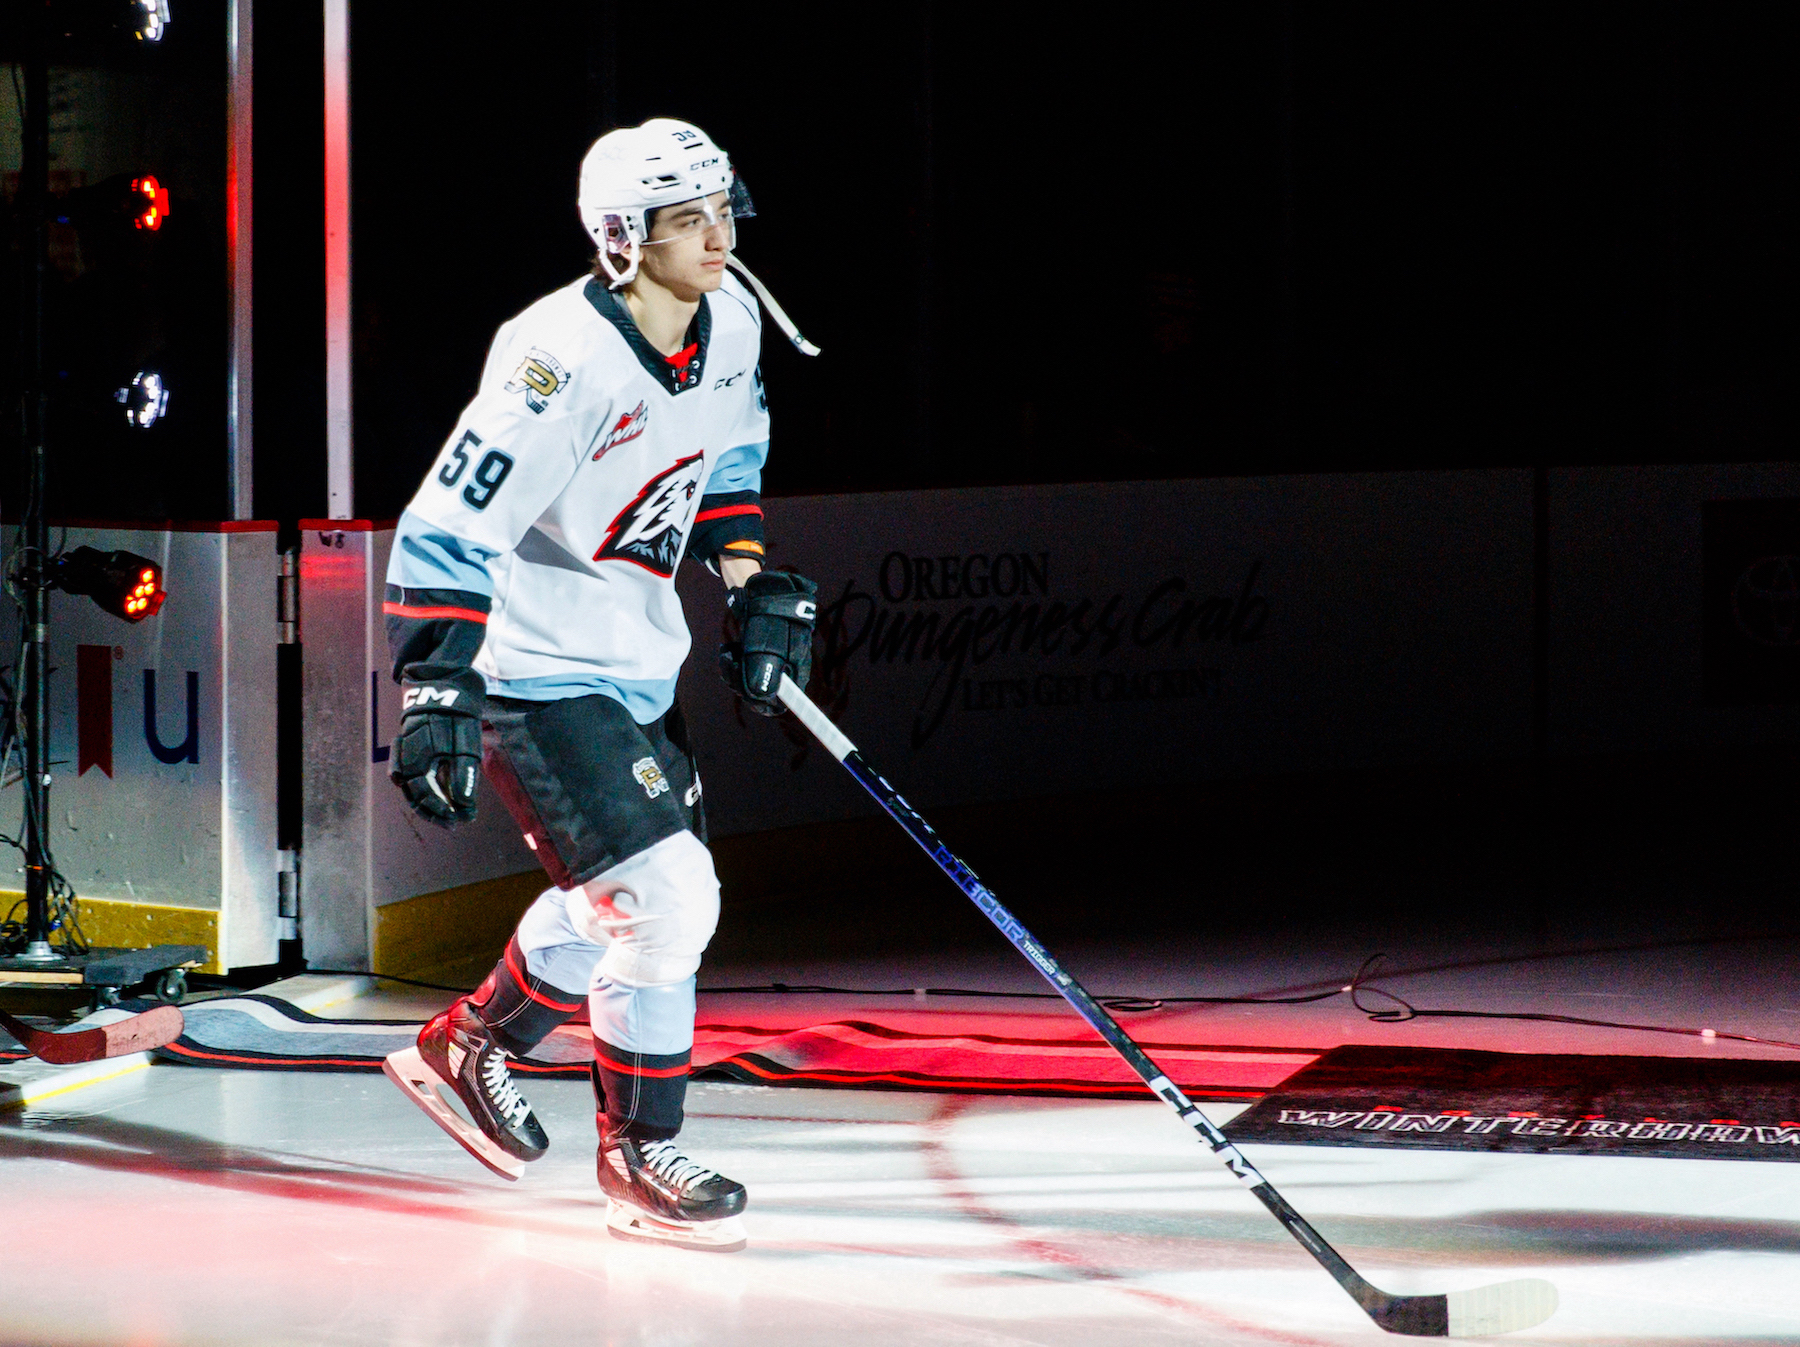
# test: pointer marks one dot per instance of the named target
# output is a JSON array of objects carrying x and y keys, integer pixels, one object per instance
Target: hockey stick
[
  {"x": 134, "y": 1033},
  {"x": 1503, "y": 1307}
]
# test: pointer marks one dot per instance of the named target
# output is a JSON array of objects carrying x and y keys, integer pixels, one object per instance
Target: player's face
[{"x": 688, "y": 244}]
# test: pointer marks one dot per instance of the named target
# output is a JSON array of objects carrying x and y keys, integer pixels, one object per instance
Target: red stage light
[
  {"x": 124, "y": 584},
  {"x": 154, "y": 208}
]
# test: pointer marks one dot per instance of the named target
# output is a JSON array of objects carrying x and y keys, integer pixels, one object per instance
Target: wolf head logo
[{"x": 651, "y": 531}]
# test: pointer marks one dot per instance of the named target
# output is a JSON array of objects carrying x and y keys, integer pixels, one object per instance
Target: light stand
[
  {"x": 116, "y": 580},
  {"x": 34, "y": 529}
]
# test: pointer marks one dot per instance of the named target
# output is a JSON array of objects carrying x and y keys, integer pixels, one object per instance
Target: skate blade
[
  {"x": 420, "y": 1084},
  {"x": 627, "y": 1222}
]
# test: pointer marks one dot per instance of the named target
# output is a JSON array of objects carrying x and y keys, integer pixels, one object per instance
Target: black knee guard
[{"x": 518, "y": 1009}]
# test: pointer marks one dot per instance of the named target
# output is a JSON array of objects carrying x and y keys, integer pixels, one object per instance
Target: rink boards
[
  {"x": 978, "y": 645},
  {"x": 163, "y": 746}
]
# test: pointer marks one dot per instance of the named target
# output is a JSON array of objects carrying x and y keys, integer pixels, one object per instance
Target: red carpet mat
[
  {"x": 1563, "y": 1104},
  {"x": 864, "y": 1055},
  {"x": 972, "y": 1052}
]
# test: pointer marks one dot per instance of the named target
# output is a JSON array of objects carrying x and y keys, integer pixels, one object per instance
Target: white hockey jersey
[{"x": 569, "y": 490}]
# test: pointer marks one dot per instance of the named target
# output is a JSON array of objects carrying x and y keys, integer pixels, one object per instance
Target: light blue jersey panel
[
  {"x": 739, "y": 469},
  {"x": 426, "y": 557}
]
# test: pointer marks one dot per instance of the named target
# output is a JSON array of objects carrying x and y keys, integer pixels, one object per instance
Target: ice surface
[
  {"x": 184, "y": 1206},
  {"x": 180, "y": 1206}
]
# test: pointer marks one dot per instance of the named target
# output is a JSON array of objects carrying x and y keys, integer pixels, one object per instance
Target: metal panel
[
  {"x": 248, "y": 816},
  {"x": 335, "y": 598},
  {"x": 361, "y": 847}
]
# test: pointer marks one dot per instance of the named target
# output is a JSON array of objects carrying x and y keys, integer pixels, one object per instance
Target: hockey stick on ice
[
  {"x": 133, "y": 1033},
  {"x": 1503, "y": 1307}
]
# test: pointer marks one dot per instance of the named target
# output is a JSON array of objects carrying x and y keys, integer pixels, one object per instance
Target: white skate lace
[
  {"x": 665, "y": 1159},
  {"x": 507, "y": 1100}
]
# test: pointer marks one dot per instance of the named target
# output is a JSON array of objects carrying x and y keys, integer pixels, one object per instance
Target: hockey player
[{"x": 534, "y": 624}]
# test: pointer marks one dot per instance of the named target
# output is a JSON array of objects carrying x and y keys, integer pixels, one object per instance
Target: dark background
[
  {"x": 1208, "y": 240},
  {"x": 1165, "y": 242},
  {"x": 1246, "y": 239}
]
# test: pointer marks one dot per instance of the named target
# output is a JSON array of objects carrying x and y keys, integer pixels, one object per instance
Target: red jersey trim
[
  {"x": 726, "y": 511},
  {"x": 643, "y": 1072},
  {"x": 405, "y": 610}
]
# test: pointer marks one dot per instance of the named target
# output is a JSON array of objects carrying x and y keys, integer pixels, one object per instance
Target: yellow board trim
[
  {"x": 125, "y": 925},
  {"x": 67, "y": 1080},
  {"x": 471, "y": 921}
]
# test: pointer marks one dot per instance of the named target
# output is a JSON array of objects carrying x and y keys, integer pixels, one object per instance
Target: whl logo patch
[
  {"x": 538, "y": 377},
  {"x": 651, "y": 531},
  {"x": 626, "y": 429},
  {"x": 650, "y": 777}
]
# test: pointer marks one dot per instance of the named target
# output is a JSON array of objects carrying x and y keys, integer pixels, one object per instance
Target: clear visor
[{"x": 690, "y": 219}]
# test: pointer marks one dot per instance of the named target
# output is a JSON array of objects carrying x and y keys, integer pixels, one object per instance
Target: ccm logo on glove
[
  {"x": 436, "y": 756},
  {"x": 424, "y": 697}
]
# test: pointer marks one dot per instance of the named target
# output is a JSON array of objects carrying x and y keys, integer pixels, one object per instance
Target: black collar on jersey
[{"x": 612, "y": 308}]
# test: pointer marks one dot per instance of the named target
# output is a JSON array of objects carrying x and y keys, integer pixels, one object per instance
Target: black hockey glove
[
  {"x": 775, "y": 612},
  {"x": 437, "y": 754}
]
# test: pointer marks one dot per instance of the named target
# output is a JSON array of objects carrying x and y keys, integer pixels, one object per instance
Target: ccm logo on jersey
[
  {"x": 651, "y": 531},
  {"x": 728, "y": 382},
  {"x": 423, "y": 698},
  {"x": 538, "y": 377},
  {"x": 626, "y": 429}
]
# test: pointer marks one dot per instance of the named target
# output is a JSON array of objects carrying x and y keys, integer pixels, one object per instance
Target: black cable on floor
[
  {"x": 387, "y": 977},
  {"x": 1121, "y": 1003},
  {"x": 1404, "y": 1011},
  {"x": 1355, "y": 989}
]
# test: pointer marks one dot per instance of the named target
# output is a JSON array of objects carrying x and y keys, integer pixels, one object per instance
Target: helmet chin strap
[
  {"x": 616, "y": 276},
  {"x": 782, "y": 321}
]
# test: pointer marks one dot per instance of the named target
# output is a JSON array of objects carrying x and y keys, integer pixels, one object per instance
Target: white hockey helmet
[
  {"x": 638, "y": 169},
  {"x": 665, "y": 162}
]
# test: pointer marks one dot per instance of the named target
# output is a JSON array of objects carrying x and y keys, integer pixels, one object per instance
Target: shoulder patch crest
[{"x": 540, "y": 377}]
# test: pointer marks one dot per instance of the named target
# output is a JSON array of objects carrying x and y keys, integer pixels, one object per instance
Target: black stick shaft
[{"x": 1076, "y": 995}]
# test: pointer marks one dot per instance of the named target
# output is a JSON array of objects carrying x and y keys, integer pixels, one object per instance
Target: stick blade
[
  {"x": 118, "y": 1037},
  {"x": 1504, "y": 1307},
  {"x": 145, "y": 1031}
]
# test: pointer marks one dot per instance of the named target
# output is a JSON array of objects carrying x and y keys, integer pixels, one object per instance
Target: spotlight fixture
[
  {"x": 148, "y": 19},
  {"x": 123, "y": 583},
  {"x": 145, "y": 399},
  {"x": 84, "y": 29},
  {"x": 151, "y": 202},
  {"x": 105, "y": 207}
]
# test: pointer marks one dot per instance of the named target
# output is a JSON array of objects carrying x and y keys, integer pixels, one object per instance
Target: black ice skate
[
  {"x": 455, "y": 1052},
  {"x": 659, "y": 1196}
]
